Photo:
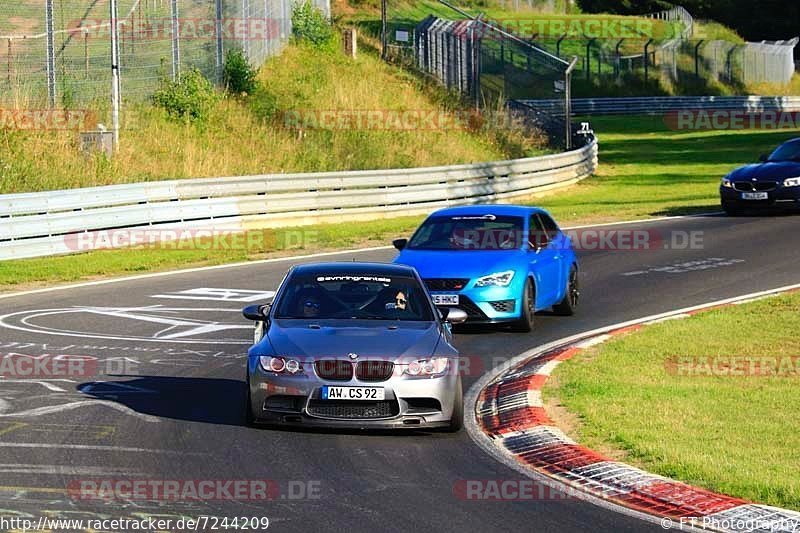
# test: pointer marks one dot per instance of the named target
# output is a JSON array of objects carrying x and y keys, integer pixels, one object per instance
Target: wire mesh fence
[
  {"x": 58, "y": 52},
  {"x": 615, "y": 55}
]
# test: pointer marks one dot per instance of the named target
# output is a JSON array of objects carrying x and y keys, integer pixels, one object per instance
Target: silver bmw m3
[{"x": 355, "y": 345}]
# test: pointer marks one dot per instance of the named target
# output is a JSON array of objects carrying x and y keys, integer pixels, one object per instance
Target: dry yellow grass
[{"x": 245, "y": 136}]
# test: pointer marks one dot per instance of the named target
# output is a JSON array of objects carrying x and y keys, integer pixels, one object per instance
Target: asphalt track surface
[{"x": 180, "y": 416}]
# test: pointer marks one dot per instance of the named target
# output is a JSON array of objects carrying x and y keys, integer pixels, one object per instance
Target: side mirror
[
  {"x": 763, "y": 158},
  {"x": 257, "y": 313},
  {"x": 455, "y": 315},
  {"x": 400, "y": 243},
  {"x": 537, "y": 247}
]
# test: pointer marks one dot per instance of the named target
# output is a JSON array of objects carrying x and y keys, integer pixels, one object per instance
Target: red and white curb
[{"x": 511, "y": 424}]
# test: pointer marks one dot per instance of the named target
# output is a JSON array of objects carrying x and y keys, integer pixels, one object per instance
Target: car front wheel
[
  {"x": 525, "y": 322},
  {"x": 567, "y": 306}
]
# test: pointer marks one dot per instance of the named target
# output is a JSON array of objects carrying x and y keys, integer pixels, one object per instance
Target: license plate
[
  {"x": 755, "y": 196},
  {"x": 445, "y": 299},
  {"x": 353, "y": 393}
]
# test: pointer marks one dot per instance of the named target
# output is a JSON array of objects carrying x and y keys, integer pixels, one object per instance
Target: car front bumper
[
  {"x": 411, "y": 403},
  {"x": 488, "y": 305},
  {"x": 782, "y": 197}
]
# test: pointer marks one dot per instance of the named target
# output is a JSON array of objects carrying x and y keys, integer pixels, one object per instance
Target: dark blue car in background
[
  {"x": 774, "y": 182},
  {"x": 498, "y": 263}
]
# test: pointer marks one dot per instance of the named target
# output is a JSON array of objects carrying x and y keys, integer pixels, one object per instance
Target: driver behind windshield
[{"x": 348, "y": 297}]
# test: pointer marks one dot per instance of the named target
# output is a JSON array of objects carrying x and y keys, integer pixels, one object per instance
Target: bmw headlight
[
  {"x": 727, "y": 183},
  {"x": 792, "y": 182},
  {"x": 498, "y": 279},
  {"x": 280, "y": 365},
  {"x": 435, "y": 366}
]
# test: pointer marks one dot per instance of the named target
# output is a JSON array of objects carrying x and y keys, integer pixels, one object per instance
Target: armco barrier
[
  {"x": 46, "y": 223},
  {"x": 660, "y": 105}
]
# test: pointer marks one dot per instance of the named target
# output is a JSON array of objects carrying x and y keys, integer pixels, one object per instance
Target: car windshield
[
  {"x": 354, "y": 295},
  {"x": 469, "y": 232},
  {"x": 787, "y": 152}
]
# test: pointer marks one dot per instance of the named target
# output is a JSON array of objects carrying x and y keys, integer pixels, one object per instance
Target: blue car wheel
[
  {"x": 567, "y": 306},
  {"x": 525, "y": 322}
]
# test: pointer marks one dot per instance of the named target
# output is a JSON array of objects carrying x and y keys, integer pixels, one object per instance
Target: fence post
[
  {"x": 176, "y": 44},
  {"x": 51, "y": 54},
  {"x": 115, "y": 85},
  {"x": 647, "y": 60},
  {"x": 558, "y": 44},
  {"x": 267, "y": 51},
  {"x": 697, "y": 59},
  {"x": 589, "y": 58},
  {"x": 86, "y": 53},
  {"x": 246, "y": 35},
  {"x": 10, "y": 63},
  {"x": 133, "y": 33},
  {"x": 384, "y": 41},
  {"x": 617, "y": 69},
  {"x": 568, "y": 102},
  {"x": 219, "y": 51}
]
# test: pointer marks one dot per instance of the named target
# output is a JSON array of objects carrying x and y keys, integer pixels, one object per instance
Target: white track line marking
[
  {"x": 93, "y": 447},
  {"x": 51, "y": 409}
]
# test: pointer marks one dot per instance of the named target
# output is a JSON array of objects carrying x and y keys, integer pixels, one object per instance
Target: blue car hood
[
  {"x": 767, "y": 171},
  {"x": 367, "y": 338},
  {"x": 461, "y": 264}
]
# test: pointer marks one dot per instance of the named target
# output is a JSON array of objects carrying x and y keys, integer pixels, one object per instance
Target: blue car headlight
[
  {"x": 792, "y": 182},
  {"x": 498, "y": 279},
  {"x": 726, "y": 182}
]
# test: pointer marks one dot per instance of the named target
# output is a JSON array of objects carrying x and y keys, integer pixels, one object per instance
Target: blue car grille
[
  {"x": 446, "y": 284},
  {"x": 503, "y": 306},
  {"x": 473, "y": 311},
  {"x": 334, "y": 370}
]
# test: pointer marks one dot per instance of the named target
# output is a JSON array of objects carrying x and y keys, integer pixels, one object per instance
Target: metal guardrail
[
  {"x": 51, "y": 223},
  {"x": 659, "y": 105}
]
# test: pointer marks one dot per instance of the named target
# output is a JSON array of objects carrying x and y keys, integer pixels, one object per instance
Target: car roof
[
  {"x": 489, "y": 209},
  {"x": 352, "y": 267}
]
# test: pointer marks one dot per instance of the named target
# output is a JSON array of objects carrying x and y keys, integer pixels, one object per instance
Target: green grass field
[
  {"x": 646, "y": 170},
  {"x": 736, "y": 434}
]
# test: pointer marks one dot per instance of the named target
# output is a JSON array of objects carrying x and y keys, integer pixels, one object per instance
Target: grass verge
[
  {"x": 733, "y": 434},
  {"x": 646, "y": 170},
  {"x": 245, "y": 136}
]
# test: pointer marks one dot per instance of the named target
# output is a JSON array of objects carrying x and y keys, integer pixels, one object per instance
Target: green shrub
[
  {"x": 239, "y": 76},
  {"x": 190, "y": 97},
  {"x": 309, "y": 24}
]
